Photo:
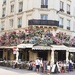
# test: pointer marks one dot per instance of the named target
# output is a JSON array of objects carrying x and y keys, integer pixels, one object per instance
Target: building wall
[
  {"x": 5, "y": 54},
  {"x": 32, "y": 10},
  {"x": 32, "y": 55}
]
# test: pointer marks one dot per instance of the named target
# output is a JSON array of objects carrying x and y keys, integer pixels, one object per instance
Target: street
[{"x": 10, "y": 71}]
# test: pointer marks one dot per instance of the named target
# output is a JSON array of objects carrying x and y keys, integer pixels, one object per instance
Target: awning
[
  {"x": 71, "y": 49},
  {"x": 41, "y": 48},
  {"x": 59, "y": 47},
  {"x": 6, "y": 47},
  {"x": 25, "y": 45}
]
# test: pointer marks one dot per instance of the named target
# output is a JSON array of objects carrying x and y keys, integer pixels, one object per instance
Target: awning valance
[
  {"x": 41, "y": 48},
  {"x": 25, "y": 45},
  {"x": 71, "y": 49},
  {"x": 5, "y": 47},
  {"x": 59, "y": 47}
]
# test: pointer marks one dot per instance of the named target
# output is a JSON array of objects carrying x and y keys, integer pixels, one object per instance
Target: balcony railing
[
  {"x": 68, "y": 28},
  {"x": 43, "y": 22},
  {"x": 20, "y": 10},
  {"x": 2, "y": 28},
  {"x": 19, "y": 26},
  {"x": 68, "y": 12},
  {"x": 61, "y": 26},
  {"x": 44, "y": 6},
  {"x": 3, "y": 15},
  {"x": 62, "y": 10}
]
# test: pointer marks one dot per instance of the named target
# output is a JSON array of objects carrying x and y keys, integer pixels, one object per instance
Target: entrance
[
  {"x": 60, "y": 55},
  {"x": 24, "y": 54},
  {"x": 43, "y": 54},
  {"x": 1, "y": 54}
]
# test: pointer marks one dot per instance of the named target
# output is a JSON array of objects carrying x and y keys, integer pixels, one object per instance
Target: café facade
[{"x": 49, "y": 43}]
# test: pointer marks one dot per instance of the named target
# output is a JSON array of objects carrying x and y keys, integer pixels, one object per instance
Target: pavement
[{"x": 10, "y": 71}]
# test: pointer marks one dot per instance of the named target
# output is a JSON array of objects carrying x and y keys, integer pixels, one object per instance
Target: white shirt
[{"x": 37, "y": 62}]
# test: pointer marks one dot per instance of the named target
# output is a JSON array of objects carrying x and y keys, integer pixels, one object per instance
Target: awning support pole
[
  {"x": 17, "y": 55},
  {"x": 52, "y": 57},
  {"x": 67, "y": 54}
]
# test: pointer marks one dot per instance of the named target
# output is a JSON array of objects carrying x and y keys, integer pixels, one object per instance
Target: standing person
[
  {"x": 37, "y": 62},
  {"x": 70, "y": 67},
  {"x": 41, "y": 65},
  {"x": 48, "y": 67},
  {"x": 45, "y": 66}
]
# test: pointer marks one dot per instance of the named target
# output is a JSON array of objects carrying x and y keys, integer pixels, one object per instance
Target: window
[
  {"x": 19, "y": 22},
  {"x": 61, "y": 6},
  {"x": 2, "y": 25},
  {"x": 20, "y": 6},
  {"x": 68, "y": 24},
  {"x": 12, "y": 8},
  {"x": 3, "y": 13},
  {"x": 44, "y": 17},
  {"x": 4, "y": 1},
  {"x": 44, "y": 3},
  {"x": 68, "y": 9},
  {"x": 61, "y": 22},
  {"x": 11, "y": 22}
]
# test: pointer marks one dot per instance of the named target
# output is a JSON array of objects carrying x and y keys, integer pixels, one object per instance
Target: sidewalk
[{"x": 11, "y": 71}]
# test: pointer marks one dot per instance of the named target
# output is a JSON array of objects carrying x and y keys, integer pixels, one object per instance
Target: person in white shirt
[{"x": 37, "y": 62}]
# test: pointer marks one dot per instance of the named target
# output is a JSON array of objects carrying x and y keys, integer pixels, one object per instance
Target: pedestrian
[
  {"x": 37, "y": 62},
  {"x": 48, "y": 67},
  {"x": 70, "y": 67},
  {"x": 41, "y": 65},
  {"x": 45, "y": 66}
]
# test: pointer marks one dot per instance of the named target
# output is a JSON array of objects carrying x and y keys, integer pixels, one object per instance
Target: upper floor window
[
  {"x": 3, "y": 12},
  {"x": 4, "y": 1},
  {"x": 12, "y": 8},
  {"x": 68, "y": 24},
  {"x": 68, "y": 9},
  {"x": 44, "y": 17},
  {"x": 61, "y": 6},
  {"x": 11, "y": 22},
  {"x": 19, "y": 22},
  {"x": 20, "y": 6},
  {"x": 2, "y": 25},
  {"x": 61, "y": 22},
  {"x": 44, "y": 3}
]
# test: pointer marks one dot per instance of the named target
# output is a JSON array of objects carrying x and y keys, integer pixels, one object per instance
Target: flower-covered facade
[
  {"x": 43, "y": 40},
  {"x": 35, "y": 35}
]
